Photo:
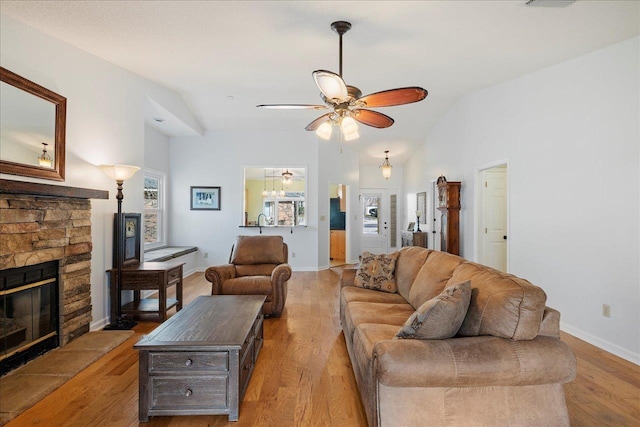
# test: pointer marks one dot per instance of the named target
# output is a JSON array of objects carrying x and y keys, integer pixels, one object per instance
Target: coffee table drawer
[
  {"x": 189, "y": 361},
  {"x": 198, "y": 392}
]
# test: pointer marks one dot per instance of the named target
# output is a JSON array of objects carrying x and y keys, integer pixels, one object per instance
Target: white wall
[
  {"x": 105, "y": 124},
  {"x": 156, "y": 150},
  {"x": 571, "y": 136},
  {"x": 217, "y": 159}
]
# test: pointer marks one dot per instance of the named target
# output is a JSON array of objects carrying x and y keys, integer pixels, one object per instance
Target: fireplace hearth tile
[
  {"x": 27, "y": 385},
  {"x": 60, "y": 363},
  {"x": 97, "y": 340},
  {"x": 20, "y": 391}
]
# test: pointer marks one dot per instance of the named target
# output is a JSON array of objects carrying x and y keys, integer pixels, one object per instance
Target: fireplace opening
[{"x": 28, "y": 313}]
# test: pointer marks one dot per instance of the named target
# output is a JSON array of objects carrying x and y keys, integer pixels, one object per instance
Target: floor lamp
[{"x": 119, "y": 173}]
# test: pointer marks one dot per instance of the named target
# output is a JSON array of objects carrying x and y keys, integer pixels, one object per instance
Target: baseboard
[
  {"x": 600, "y": 343},
  {"x": 97, "y": 325}
]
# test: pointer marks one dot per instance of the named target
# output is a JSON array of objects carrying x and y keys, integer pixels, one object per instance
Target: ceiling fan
[{"x": 347, "y": 102}]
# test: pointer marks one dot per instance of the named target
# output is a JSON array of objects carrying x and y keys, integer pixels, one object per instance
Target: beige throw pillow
[
  {"x": 441, "y": 316},
  {"x": 376, "y": 272}
]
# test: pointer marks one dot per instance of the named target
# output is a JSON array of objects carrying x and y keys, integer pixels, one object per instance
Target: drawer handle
[
  {"x": 188, "y": 393},
  {"x": 189, "y": 362}
]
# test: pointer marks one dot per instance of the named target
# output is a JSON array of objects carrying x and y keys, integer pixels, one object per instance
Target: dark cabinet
[
  {"x": 449, "y": 207},
  {"x": 414, "y": 238}
]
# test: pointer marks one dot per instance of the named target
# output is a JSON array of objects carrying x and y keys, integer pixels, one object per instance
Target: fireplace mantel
[{"x": 8, "y": 186}]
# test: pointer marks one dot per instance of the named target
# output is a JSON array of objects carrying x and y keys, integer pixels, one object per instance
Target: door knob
[{"x": 504, "y": 237}]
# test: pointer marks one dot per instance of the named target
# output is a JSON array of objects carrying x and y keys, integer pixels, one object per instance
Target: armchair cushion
[
  {"x": 258, "y": 250},
  {"x": 248, "y": 285}
]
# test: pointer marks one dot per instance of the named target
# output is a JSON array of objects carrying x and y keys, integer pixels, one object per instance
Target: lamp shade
[
  {"x": 348, "y": 125},
  {"x": 331, "y": 85},
  {"x": 119, "y": 172},
  {"x": 324, "y": 130}
]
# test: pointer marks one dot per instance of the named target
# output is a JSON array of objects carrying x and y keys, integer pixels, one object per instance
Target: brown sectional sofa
[{"x": 505, "y": 366}]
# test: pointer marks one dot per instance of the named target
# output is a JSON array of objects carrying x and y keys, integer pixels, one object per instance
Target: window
[
  {"x": 285, "y": 211},
  {"x": 154, "y": 215}
]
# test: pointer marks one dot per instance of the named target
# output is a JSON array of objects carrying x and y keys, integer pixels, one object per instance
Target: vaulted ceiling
[{"x": 225, "y": 57}]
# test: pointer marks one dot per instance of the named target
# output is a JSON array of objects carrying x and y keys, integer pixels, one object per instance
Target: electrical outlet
[
  {"x": 206, "y": 254},
  {"x": 293, "y": 254},
  {"x": 606, "y": 310}
]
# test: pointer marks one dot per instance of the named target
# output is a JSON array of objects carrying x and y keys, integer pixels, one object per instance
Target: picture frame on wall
[
  {"x": 205, "y": 198},
  {"x": 421, "y": 205},
  {"x": 131, "y": 233}
]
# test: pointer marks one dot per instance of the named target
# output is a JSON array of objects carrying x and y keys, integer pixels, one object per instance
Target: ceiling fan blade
[
  {"x": 331, "y": 85},
  {"x": 317, "y": 122},
  {"x": 391, "y": 97},
  {"x": 372, "y": 118},
  {"x": 291, "y": 107}
]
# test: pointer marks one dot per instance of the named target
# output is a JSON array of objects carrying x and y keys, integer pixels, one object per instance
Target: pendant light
[
  {"x": 265, "y": 193},
  {"x": 45, "y": 160},
  {"x": 386, "y": 166}
]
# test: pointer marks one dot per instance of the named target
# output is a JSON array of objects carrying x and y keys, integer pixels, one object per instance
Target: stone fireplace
[{"x": 41, "y": 223}]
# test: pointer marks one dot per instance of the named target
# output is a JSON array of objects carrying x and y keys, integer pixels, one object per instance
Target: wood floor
[{"x": 303, "y": 376}]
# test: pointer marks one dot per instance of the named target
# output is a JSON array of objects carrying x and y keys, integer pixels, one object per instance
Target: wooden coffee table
[{"x": 199, "y": 362}]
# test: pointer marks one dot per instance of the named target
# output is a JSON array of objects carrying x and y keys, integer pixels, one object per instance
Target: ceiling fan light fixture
[
  {"x": 287, "y": 177},
  {"x": 324, "y": 130},
  {"x": 351, "y": 136},
  {"x": 349, "y": 128},
  {"x": 386, "y": 166},
  {"x": 348, "y": 125},
  {"x": 331, "y": 85}
]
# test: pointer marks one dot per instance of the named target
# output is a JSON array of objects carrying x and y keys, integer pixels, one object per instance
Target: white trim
[{"x": 602, "y": 344}]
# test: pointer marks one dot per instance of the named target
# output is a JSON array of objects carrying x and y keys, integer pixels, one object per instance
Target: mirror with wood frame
[{"x": 32, "y": 128}]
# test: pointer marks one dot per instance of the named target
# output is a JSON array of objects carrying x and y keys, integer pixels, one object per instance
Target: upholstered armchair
[{"x": 257, "y": 266}]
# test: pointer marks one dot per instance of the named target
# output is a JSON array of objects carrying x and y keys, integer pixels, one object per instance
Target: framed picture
[
  {"x": 421, "y": 205},
  {"x": 130, "y": 232},
  {"x": 205, "y": 198},
  {"x": 411, "y": 226}
]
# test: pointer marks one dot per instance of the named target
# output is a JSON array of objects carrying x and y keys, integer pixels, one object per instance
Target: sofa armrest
[
  {"x": 550, "y": 325},
  {"x": 280, "y": 274},
  {"x": 348, "y": 277},
  {"x": 217, "y": 275},
  {"x": 472, "y": 362}
]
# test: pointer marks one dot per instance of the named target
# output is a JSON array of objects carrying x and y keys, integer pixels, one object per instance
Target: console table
[
  {"x": 414, "y": 238},
  {"x": 157, "y": 276},
  {"x": 199, "y": 362}
]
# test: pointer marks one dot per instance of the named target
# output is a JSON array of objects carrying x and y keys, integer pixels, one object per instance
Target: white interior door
[
  {"x": 374, "y": 234},
  {"x": 493, "y": 220}
]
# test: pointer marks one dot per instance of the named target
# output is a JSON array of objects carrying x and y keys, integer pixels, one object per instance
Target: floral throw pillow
[
  {"x": 376, "y": 272},
  {"x": 441, "y": 316}
]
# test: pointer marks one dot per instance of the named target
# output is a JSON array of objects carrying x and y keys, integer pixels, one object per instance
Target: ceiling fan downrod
[{"x": 341, "y": 27}]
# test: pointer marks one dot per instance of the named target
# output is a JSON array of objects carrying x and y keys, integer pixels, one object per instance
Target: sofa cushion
[
  {"x": 376, "y": 272},
  {"x": 433, "y": 277},
  {"x": 441, "y": 316},
  {"x": 258, "y": 250},
  {"x": 248, "y": 285},
  {"x": 501, "y": 304},
  {"x": 357, "y": 313},
  {"x": 410, "y": 261},
  {"x": 351, "y": 293}
]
